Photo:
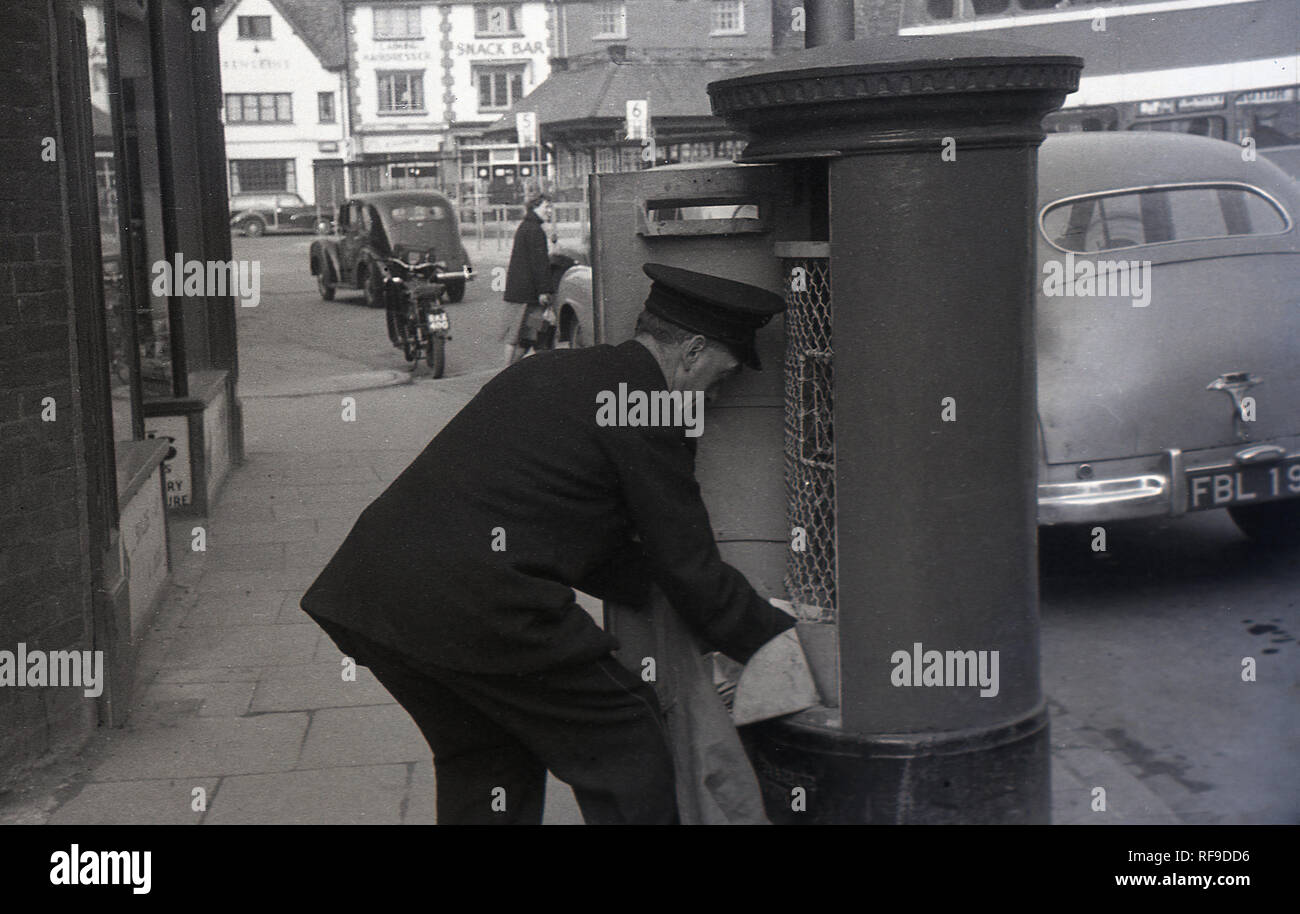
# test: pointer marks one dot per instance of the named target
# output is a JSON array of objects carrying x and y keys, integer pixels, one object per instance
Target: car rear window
[
  {"x": 1155, "y": 215},
  {"x": 417, "y": 213}
]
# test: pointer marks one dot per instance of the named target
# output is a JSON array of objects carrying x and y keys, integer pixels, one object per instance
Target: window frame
[
  {"x": 477, "y": 70},
  {"x": 381, "y": 75},
  {"x": 321, "y": 97},
  {"x": 513, "y": 10},
  {"x": 243, "y": 97},
  {"x": 406, "y": 11},
  {"x": 598, "y": 12},
  {"x": 716, "y": 8},
  {"x": 1148, "y": 188},
  {"x": 288, "y": 172},
  {"x": 241, "y": 21}
]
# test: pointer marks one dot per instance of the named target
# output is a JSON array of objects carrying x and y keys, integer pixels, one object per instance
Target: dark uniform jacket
[
  {"x": 468, "y": 559},
  {"x": 529, "y": 273}
]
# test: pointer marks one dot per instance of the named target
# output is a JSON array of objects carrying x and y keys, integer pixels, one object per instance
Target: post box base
[{"x": 996, "y": 776}]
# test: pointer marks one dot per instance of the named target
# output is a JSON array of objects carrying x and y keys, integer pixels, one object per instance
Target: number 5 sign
[
  {"x": 526, "y": 128},
  {"x": 638, "y": 119}
]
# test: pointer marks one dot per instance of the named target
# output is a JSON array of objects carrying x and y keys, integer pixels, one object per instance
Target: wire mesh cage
[{"x": 809, "y": 438}]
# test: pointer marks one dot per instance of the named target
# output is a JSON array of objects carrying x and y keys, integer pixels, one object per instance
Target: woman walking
[{"x": 529, "y": 286}]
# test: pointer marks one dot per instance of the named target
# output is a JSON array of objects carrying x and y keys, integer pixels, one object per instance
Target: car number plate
[{"x": 1221, "y": 487}]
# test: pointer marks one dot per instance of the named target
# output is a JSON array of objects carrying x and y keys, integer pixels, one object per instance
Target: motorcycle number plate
[{"x": 439, "y": 322}]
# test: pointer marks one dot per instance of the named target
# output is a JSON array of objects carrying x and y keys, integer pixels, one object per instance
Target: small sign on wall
[{"x": 178, "y": 478}]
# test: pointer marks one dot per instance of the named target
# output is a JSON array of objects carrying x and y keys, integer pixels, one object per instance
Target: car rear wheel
[
  {"x": 455, "y": 290},
  {"x": 253, "y": 228},
  {"x": 325, "y": 282},
  {"x": 1272, "y": 523}
]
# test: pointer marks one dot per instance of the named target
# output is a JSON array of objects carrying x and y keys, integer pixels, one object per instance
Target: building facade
[
  {"x": 283, "y": 93},
  {"x": 118, "y": 403},
  {"x": 427, "y": 77}
]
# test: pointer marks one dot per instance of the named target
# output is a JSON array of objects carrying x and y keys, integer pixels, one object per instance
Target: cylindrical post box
[{"x": 910, "y": 450}]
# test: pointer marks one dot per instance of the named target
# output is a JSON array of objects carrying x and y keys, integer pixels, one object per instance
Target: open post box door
[{"x": 722, "y": 220}]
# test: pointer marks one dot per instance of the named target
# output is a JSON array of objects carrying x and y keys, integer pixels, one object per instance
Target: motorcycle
[{"x": 415, "y": 291}]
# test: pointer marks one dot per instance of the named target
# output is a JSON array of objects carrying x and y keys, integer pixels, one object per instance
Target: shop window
[
  {"x": 494, "y": 21},
  {"x": 259, "y": 108},
  {"x": 1211, "y": 126},
  {"x": 251, "y": 176},
  {"x": 401, "y": 92},
  {"x": 325, "y": 106},
  {"x": 611, "y": 20},
  {"x": 499, "y": 87},
  {"x": 255, "y": 28},
  {"x": 394, "y": 23},
  {"x": 1271, "y": 116},
  {"x": 728, "y": 18}
]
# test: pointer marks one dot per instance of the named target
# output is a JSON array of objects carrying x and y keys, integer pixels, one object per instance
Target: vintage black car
[
  {"x": 392, "y": 223},
  {"x": 257, "y": 214}
]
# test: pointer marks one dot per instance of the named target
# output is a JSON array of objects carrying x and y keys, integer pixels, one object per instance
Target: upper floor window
[
  {"x": 325, "y": 105},
  {"x": 401, "y": 91},
  {"x": 259, "y": 108},
  {"x": 256, "y": 27},
  {"x": 502, "y": 19},
  {"x": 396, "y": 22},
  {"x": 728, "y": 18},
  {"x": 611, "y": 20},
  {"x": 499, "y": 87}
]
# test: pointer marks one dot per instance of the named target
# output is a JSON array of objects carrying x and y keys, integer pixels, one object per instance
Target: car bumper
[{"x": 1154, "y": 486}]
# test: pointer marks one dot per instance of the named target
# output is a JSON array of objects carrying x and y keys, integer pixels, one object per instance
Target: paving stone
[
  {"x": 198, "y": 747},
  {"x": 236, "y": 555},
  {"x": 321, "y": 686},
  {"x": 360, "y": 795},
  {"x": 249, "y": 645},
  {"x": 290, "y": 579},
  {"x": 181, "y": 674},
  {"x": 305, "y": 476},
  {"x": 234, "y": 608},
  {"x": 360, "y": 736},
  {"x": 1128, "y": 800},
  {"x": 210, "y": 699},
  {"x": 421, "y": 806},
  {"x": 152, "y": 802},
  {"x": 264, "y": 531}
]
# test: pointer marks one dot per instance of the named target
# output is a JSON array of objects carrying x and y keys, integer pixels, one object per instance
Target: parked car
[
  {"x": 1179, "y": 392},
  {"x": 372, "y": 227},
  {"x": 257, "y": 214}
]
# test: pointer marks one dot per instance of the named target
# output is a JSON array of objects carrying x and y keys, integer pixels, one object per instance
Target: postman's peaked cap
[{"x": 721, "y": 309}]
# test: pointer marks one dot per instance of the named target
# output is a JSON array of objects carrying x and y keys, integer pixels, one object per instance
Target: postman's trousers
[{"x": 596, "y": 726}]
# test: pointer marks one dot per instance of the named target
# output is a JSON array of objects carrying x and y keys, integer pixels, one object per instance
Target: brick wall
[{"x": 45, "y": 590}]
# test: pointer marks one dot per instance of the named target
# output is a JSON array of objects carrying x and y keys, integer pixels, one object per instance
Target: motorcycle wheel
[{"x": 437, "y": 355}]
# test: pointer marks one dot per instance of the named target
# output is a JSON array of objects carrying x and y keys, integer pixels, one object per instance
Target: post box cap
[{"x": 721, "y": 309}]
